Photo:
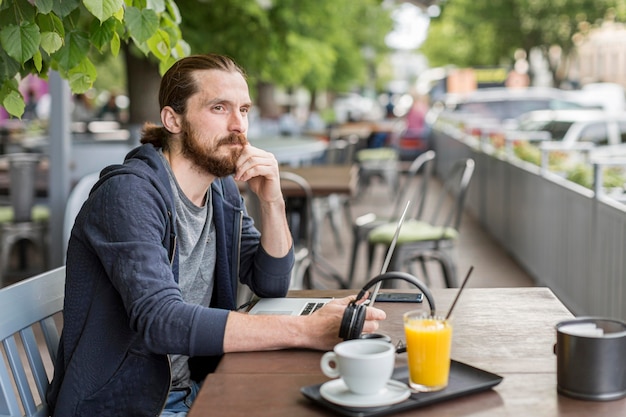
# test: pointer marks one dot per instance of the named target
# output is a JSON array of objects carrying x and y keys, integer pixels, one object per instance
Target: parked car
[
  {"x": 506, "y": 104},
  {"x": 565, "y": 140},
  {"x": 493, "y": 111},
  {"x": 573, "y": 126}
]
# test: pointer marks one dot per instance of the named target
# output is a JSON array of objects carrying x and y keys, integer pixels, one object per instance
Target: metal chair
[
  {"x": 431, "y": 240},
  {"x": 27, "y": 308},
  {"x": 340, "y": 151},
  {"x": 23, "y": 220},
  {"x": 378, "y": 162},
  {"x": 302, "y": 225},
  {"x": 364, "y": 224}
]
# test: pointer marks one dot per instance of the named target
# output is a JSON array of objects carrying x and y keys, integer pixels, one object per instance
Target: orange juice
[{"x": 428, "y": 343}]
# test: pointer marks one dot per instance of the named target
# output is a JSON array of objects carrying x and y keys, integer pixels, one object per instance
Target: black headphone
[{"x": 354, "y": 317}]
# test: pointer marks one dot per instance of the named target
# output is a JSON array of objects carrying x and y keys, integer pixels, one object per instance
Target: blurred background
[{"x": 535, "y": 83}]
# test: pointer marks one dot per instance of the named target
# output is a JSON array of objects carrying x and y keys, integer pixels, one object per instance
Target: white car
[{"x": 572, "y": 127}]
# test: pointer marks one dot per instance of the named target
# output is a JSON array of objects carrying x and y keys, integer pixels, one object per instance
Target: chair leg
[
  {"x": 355, "y": 247},
  {"x": 448, "y": 267},
  {"x": 371, "y": 249}
]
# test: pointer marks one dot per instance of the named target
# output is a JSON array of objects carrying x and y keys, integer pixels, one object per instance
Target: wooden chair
[{"x": 27, "y": 308}]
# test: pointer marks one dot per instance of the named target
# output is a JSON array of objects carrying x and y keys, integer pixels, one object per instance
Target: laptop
[{"x": 305, "y": 306}]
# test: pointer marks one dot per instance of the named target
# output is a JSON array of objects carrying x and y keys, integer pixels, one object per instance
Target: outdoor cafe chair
[
  {"x": 340, "y": 151},
  {"x": 432, "y": 239},
  {"x": 23, "y": 220},
  {"x": 364, "y": 224},
  {"x": 27, "y": 309},
  {"x": 303, "y": 225}
]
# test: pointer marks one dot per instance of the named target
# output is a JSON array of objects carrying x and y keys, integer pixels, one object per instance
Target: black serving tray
[{"x": 464, "y": 379}]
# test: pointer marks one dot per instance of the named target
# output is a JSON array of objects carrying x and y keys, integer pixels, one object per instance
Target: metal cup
[{"x": 591, "y": 358}]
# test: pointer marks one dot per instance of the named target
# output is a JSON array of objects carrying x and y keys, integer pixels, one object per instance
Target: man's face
[
  {"x": 213, "y": 130},
  {"x": 218, "y": 158}
]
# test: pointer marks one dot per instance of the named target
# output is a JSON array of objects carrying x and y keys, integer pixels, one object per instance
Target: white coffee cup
[{"x": 365, "y": 365}]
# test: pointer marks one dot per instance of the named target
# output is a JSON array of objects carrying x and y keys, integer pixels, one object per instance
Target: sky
[{"x": 411, "y": 25}]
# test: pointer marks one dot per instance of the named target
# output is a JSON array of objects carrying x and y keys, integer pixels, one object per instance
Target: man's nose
[{"x": 238, "y": 122}]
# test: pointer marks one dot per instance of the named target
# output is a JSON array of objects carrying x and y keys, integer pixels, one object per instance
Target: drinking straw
[{"x": 459, "y": 293}]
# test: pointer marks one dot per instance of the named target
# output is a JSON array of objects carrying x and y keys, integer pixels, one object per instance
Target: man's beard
[{"x": 206, "y": 157}]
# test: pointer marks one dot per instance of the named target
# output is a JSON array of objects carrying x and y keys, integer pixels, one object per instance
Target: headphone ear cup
[
  {"x": 352, "y": 321},
  {"x": 346, "y": 320},
  {"x": 356, "y": 328}
]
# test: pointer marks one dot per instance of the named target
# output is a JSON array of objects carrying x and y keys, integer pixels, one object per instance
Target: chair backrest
[
  {"x": 77, "y": 197},
  {"x": 23, "y": 172},
  {"x": 301, "y": 226},
  {"x": 455, "y": 186},
  {"x": 26, "y": 309},
  {"x": 423, "y": 164},
  {"x": 306, "y": 214},
  {"x": 341, "y": 151}
]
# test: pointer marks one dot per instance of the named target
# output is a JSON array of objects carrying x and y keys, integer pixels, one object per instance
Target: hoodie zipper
[{"x": 238, "y": 248}]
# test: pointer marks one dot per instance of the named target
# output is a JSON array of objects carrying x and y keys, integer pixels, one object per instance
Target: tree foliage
[
  {"x": 40, "y": 35},
  {"x": 484, "y": 32},
  {"x": 317, "y": 44}
]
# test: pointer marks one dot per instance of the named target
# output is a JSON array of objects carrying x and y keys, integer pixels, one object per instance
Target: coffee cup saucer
[{"x": 337, "y": 392}]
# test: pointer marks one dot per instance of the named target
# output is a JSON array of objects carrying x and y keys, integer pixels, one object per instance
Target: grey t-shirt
[{"x": 196, "y": 251}]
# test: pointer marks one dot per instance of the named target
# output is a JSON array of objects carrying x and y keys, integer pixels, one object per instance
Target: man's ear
[{"x": 171, "y": 120}]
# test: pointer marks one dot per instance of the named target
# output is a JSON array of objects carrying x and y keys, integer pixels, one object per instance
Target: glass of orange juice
[{"x": 428, "y": 345}]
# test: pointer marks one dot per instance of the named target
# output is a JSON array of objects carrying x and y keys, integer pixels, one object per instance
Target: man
[{"x": 156, "y": 252}]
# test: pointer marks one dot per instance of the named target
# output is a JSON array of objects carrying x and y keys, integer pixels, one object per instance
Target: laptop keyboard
[{"x": 311, "y": 308}]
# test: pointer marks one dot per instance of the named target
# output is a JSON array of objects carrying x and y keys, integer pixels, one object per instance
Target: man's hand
[
  {"x": 259, "y": 169},
  {"x": 319, "y": 331},
  {"x": 326, "y": 321}
]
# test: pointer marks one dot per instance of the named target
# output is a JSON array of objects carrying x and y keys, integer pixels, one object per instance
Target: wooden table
[
  {"x": 507, "y": 331},
  {"x": 324, "y": 180}
]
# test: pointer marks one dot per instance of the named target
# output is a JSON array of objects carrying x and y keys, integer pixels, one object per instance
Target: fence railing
[{"x": 566, "y": 236}]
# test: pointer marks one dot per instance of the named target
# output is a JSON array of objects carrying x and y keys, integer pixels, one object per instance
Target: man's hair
[{"x": 178, "y": 84}]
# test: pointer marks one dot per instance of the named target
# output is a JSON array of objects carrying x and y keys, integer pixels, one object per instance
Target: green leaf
[
  {"x": 156, "y": 5},
  {"x": 75, "y": 49},
  {"x": 182, "y": 49},
  {"x": 143, "y": 47},
  {"x": 101, "y": 34},
  {"x": 103, "y": 9},
  {"x": 12, "y": 100},
  {"x": 44, "y": 6},
  {"x": 51, "y": 42},
  {"x": 165, "y": 64},
  {"x": 20, "y": 11},
  {"x": 9, "y": 67},
  {"x": 142, "y": 24},
  {"x": 159, "y": 44},
  {"x": 82, "y": 76},
  {"x": 119, "y": 15},
  {"x": 37, "y": 61},
  {"x": 115, "y": 44},
  {"x": 65, "y": 7},
  {"x": 21, "y": 42},
  {"x": 173, "y": 11},
  {"x": 51, "y": 23}
]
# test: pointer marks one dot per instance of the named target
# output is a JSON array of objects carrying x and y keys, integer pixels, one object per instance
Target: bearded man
[{"x": 157, "y": 251}]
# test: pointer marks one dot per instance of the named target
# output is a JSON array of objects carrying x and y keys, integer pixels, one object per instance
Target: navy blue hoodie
[{"x": 123, "y": 309}]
